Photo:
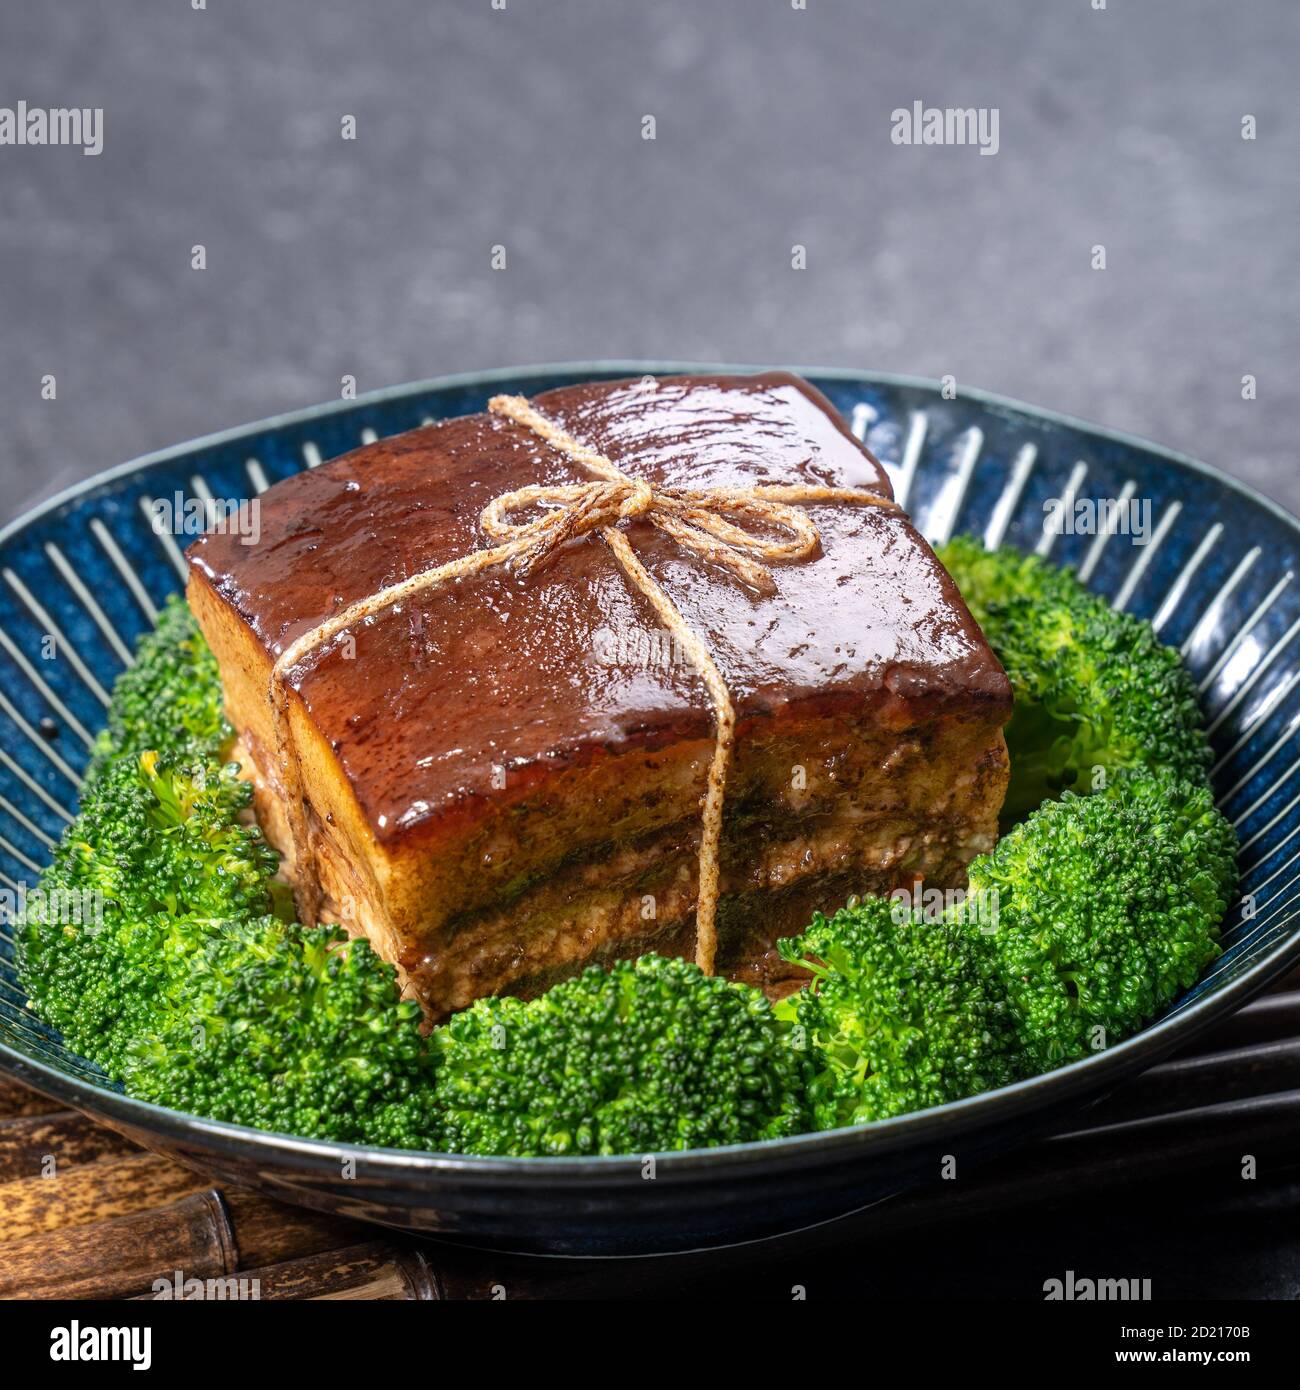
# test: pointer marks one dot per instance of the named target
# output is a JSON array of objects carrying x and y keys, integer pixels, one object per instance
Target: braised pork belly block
[{"x": 503, "y": 777}]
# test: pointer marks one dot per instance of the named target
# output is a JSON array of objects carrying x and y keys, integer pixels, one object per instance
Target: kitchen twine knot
[{"x": 704, "y": 521}]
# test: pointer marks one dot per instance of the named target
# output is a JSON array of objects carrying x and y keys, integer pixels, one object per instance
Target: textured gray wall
[{"x": 523, "y": 127}]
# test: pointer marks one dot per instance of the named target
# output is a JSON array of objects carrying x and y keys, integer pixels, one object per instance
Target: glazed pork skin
[{"x": 502, "y": 788}]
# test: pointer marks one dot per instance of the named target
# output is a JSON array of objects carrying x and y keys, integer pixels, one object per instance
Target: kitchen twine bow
[{"x": 701, "y": 520}]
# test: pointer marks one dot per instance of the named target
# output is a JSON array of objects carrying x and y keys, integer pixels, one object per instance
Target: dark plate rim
[{"x": 1088, "y": 1076}]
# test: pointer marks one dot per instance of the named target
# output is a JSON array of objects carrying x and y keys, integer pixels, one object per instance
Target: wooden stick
[
  {"x": 88, "y": 1192},
  {"x": 111, "y": 1259},
  {"x": 378, "y": 1270},
  {"x": 269, "y": 1232},
  {"x": 1195, "y": 1083},
  {"x": 1270, "y": 1018},
  {"x": 28, "y": 1142},
  {"x": 201, "y": 1236},
  {"x": 17, "y": 1099}
]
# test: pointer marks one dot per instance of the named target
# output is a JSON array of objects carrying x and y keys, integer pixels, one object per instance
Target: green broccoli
[
  {"x": 164, "y": 951},
  {"x": 169, "y": 701},
  {"x": 1094, "y": 689},
  {"x": 152, "y": 860},
  {"x": 288, "y": 1029},
  {"x": 651, "y": 1055},
  {"x": 1108, "y": 906},
  {"x": 904, "y": 1012}
]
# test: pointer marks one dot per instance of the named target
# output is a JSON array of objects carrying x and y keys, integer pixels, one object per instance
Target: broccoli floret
[
  {"x": 165, "y": 952},
  {"x": 169, "y": 701},
  {"x": 649, "y": 1056},
  {"x": 904, "y": 1012},
  {"x": 152, "y": 861},
  {"x": 1094, "y": 689},
  {"x": 288, "y": 1029},
  {"x": 1108, "y": 906},
  {"x": 989, "y": 577},
  {"x": 168, "y": 839}
]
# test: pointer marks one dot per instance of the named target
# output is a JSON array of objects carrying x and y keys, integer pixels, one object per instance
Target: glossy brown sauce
[{"x": 494, "y": 673}]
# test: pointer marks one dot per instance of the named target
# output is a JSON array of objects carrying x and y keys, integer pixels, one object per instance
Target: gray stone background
[{"x": 523, "y": 127}]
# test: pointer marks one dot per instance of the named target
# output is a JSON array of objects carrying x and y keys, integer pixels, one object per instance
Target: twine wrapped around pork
[{"x": 701, "y": 520}]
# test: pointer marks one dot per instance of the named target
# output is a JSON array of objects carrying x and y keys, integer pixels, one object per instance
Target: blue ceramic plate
[{"x": 1215, "y": 575}]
